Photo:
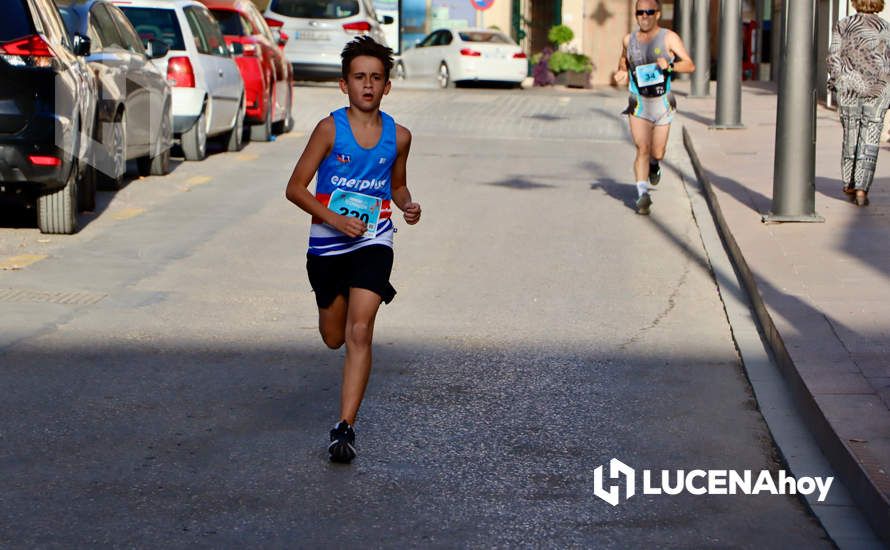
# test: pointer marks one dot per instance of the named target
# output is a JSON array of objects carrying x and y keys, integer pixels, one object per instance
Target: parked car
[
  {"x": 208, "y": 92},
  {"x": 134, "y": 113},
  {"x": 319, "y": 29},
  {"x": 268, "y": 77},
  {"x": 47, "y": 106},
  {"x": 463, "y": 55}
]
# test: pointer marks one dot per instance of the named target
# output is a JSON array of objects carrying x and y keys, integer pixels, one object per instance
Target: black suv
[{"x": 47, "y": 109}]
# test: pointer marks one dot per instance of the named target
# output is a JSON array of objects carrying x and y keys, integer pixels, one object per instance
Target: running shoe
[
  {"x": 342, "y": 441},
  {"x": 643, "y": 204},
  {"x": 654, "y": 173}
]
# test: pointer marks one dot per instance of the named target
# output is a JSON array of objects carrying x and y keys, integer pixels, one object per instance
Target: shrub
[
  {"x": 559, "y": 35},
  {"x": 565, "y": 61}
]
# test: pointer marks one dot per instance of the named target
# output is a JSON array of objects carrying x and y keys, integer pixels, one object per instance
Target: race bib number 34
[
  {"x": 357, "y": 205},
  {"x": 649, "y": 75}
]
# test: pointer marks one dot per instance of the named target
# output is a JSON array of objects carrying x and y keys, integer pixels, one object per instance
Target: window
[
  {"x": 16, "y": 22},
  {"x": 216, "y": 42},
  {"x": 71, "y": 19},
  {"x": 157, "y": 24},
  {"x": 485, "y": 37},
  {"x": 101, "y": 19},
  {"x": 316, "y": 9},
  {"x": 429, "y": 40},
  {"x": 230, "y": 21},
  {"x": 191, "y": 15},
  {"x": 130, "y": 39},
  {"x": 259, "y": 22}
]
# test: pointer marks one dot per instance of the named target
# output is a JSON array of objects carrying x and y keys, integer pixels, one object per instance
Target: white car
[
  {"x": 463, "y": 55},
  {"x": 318, "y": 30},
  {"x": 208, "y": 92}
]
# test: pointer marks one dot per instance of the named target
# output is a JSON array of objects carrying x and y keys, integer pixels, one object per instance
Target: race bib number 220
[{"x": 364, "y": 207}]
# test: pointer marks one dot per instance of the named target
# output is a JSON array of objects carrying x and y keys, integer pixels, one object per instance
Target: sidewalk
[{"x": 821, "y": 290}]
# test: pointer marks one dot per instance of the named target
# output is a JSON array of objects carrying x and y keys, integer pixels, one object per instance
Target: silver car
[{"x": 318, "y": 30}]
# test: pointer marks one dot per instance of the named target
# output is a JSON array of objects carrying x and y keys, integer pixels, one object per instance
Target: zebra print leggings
[{"x": 863, "y": 122}]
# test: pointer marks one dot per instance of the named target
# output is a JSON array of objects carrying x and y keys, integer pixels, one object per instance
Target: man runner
[{"x": 649, "y": 58}]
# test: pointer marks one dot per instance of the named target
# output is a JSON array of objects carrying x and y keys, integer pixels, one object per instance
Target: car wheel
[
  {"x": 287, "y": 124},
  {"x": 194, "y": 140},
  {"x": 87, "y": 190},
  {"x": 159, "y": 165},
  {"x": 444, "y": 77},
  {"x": 111, "y": 173},
  {"x": 263, "y": 131},
  {"x": 57, "y": 211},
  {"x": 399, "y": 71},
  {"x": 235, "y": 138}
]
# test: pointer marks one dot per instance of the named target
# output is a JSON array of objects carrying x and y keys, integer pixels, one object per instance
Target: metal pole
[
  {"x": 794, "y": 176},
  {"x": 684, "y": 29},
  {"x": 777, "y": 40},
  {"x": 729, "y": 66},
  {"x": 760, "y": 5},
  {"x": 701, "y": 78}
]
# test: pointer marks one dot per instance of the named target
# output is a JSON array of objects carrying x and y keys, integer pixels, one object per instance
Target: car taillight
[
  {"x": 44, "y": 160},
  {"x": 470, "y": 53},
  {"x": 274, "y": 23},
  {"x": 180, "y": 73},
  {"x": 30, "y": 51},
  {"x": 358, "y": 27},
  {"x": 520, "y": 55}
]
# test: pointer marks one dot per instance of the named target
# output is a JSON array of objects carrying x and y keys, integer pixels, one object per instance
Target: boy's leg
[
  {"x": 360, "y": 315},
  {"x": 332, "y": 322}
]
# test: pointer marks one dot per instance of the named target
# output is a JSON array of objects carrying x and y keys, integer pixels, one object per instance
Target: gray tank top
[{"x": 645, "y": 79}]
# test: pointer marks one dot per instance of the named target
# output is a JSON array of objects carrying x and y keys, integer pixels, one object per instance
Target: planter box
[{"x": 574, "y": 79}]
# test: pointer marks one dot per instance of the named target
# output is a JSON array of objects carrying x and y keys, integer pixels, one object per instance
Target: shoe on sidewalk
[
  {"x": 643, "y": 204},
  {"x": 654, "y": 173},
  {"x": 342, "y": 443}
]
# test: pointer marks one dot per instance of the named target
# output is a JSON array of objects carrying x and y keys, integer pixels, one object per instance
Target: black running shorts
[{"x": 368, "y": 267}]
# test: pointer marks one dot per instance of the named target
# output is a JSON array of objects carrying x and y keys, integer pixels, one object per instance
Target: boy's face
[{"x": 366, "y": 83}]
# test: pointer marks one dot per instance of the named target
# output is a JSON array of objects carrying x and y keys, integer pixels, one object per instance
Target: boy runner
[
  {"x": 649, "y": 58},
  {"x": 360, "y": 155}
]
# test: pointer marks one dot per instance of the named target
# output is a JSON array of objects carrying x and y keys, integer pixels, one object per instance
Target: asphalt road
[{"x": 164, "y": 384}]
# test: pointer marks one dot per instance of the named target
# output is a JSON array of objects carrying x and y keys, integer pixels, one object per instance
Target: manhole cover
[{"x": 69, "y": 298}]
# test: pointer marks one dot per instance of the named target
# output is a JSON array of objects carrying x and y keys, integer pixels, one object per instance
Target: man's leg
[
  {"x": 362, "y": 310},
  {"x": 332, "y": 322},
  {"x": 659, "y": 141},
  {"x": 641, "y": 131}
]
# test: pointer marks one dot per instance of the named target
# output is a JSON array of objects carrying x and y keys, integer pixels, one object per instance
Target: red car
[{"x": 268, "y": 77}]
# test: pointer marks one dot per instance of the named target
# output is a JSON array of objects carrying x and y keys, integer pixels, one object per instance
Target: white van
[{"x": 319, "y": 29}]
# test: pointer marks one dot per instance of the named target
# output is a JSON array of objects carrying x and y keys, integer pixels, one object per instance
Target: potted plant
[{"x": 571, "y": 68}]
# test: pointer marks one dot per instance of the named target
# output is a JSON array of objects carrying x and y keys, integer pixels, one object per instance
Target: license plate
[{"x": 311, "y": 35}]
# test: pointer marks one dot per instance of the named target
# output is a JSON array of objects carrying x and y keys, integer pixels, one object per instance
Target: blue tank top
[{"x": 355, "y": 169}]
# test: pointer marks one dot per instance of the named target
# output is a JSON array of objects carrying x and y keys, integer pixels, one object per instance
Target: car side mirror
[
  {"x": 81, "y": 45},
  {"x": 387, "y": 20},
  {"x": 155, "y": 49},
  {"x": 236, "y": 48}
]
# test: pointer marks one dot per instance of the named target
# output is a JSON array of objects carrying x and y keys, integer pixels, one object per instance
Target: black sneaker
[
  {"x": 643, "y": 204},
  {"x": 654, "y": 173},
  {"x": 342, "y": 441}
]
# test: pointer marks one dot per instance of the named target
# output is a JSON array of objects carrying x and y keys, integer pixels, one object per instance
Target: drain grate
[{"x": 71, "y": 298}]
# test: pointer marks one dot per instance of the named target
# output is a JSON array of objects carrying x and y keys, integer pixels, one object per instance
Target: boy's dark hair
[{"x": 365, "y": 45}]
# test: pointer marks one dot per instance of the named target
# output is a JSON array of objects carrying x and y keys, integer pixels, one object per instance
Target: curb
[{"x": 863, "y": 489}]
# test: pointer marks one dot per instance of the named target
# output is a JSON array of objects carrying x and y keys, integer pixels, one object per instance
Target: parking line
[
  {"x": 194, "y": 181},
  {"x": 127, "y": 213},
  {"x": 247, "y": 156},
  {"x": 21, "y": 261}
]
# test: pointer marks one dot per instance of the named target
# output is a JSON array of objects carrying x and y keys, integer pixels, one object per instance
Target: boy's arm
[
  {"x": 399, "y": 185},
  {"x": 320, "y": 143}
]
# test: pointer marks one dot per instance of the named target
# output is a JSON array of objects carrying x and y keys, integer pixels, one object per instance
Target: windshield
[
  {"x": 485, "y": 37},
  {"x": 71, "y": 19},
  {"x": 156, "y": 24},
  {"x": 315, "y": 9}
]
